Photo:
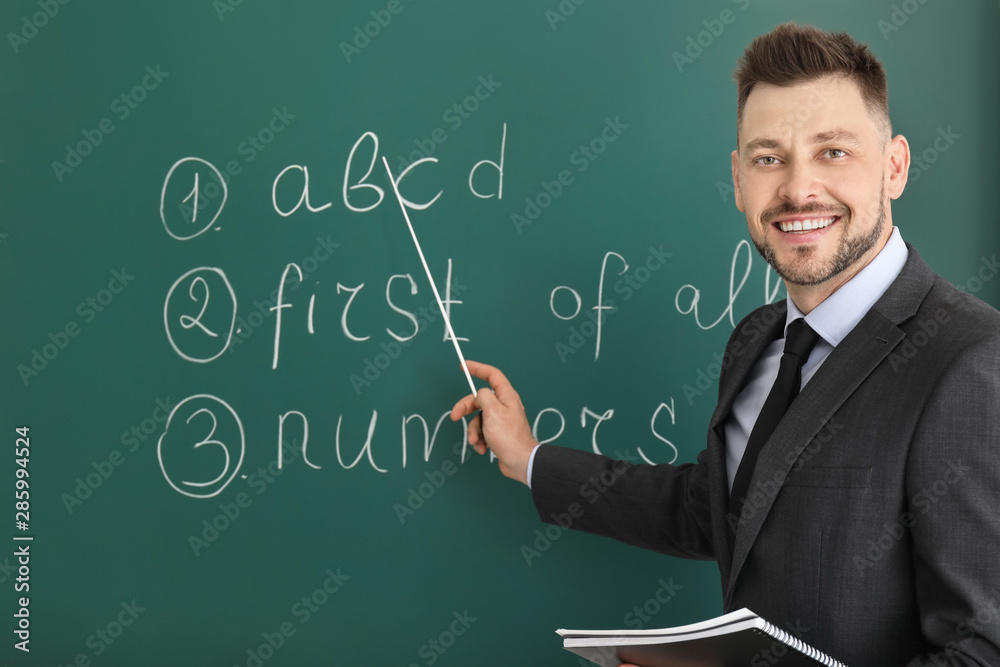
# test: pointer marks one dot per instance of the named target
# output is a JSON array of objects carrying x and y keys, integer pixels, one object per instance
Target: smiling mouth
[{"x": 808, "y": 225}]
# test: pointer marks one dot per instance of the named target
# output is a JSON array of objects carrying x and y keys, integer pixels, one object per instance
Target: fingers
[
  {"x": 498, "y": 381},
  {"x": 494, "y": 403},
  {"x": 466, "y": 405},
  {"x": 476, "y": 430},
  {"x": 478, "y": 369},
  {"x": 475, "y": 435}
]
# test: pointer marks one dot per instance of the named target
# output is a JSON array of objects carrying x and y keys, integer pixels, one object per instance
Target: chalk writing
[
  {"x": 770, "y": 294},
  {"x": 212, "y": 421},
  {"x": 602, "y": 304},
  {"x": 204, "y": 443},
  {"x": 177, "y": 229},
  {"x": 196, "y": 343},
  {"x": 165, "y": 446}
]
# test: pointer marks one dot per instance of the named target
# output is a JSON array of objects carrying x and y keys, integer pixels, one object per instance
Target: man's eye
[
  {"x": 836, "y": 152},
  {"x": 767, "y": 160}
]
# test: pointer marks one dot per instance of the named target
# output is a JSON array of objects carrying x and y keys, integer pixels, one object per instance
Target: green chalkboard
[{"x": 175, "y": 305}]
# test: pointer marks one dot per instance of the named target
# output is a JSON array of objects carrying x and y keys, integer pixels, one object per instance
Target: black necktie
[{"x": 798, "y": 344}]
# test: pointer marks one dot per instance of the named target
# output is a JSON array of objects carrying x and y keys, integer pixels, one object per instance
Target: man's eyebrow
[
  {"x": 761, "y": 143},
  {"x": 835, "y": 135},
  {"x": 818, "y": 138}
]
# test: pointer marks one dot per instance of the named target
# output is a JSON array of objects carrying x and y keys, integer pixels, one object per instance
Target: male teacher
[{"x": 851, "y": 483}]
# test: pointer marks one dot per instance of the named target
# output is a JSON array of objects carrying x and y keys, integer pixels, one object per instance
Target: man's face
[{"x": 810, "y": 175}]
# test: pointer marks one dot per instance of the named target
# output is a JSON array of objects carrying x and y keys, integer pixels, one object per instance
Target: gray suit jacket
[{"x": 873, "y": 517}]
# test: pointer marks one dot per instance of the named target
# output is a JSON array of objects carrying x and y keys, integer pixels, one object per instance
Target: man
[{"x": 870, "y": 512}]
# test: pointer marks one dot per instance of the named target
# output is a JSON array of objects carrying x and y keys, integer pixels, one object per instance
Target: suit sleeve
[
  {"x": 953, "y": 484},
  {"x": 660, "y": 507}
]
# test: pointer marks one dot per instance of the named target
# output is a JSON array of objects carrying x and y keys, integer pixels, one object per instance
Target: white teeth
[{"x": 806, "y": 225}]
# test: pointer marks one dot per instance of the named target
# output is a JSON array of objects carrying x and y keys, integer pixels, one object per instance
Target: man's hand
[{"x": 501, "y": 425}]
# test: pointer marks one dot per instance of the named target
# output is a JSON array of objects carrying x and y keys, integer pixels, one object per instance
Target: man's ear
[
  {"x": 737, "y": 193},
  {"x": 897, "y": 165}
]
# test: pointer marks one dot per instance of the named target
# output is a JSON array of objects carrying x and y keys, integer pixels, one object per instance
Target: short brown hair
[{"x": 792, "y": 54}]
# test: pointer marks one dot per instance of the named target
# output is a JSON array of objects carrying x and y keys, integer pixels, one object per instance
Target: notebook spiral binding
[{"x": 791, "y": 640}]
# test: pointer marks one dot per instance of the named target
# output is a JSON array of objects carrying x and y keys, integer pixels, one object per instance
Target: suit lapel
[
  {"x": 752, "y": 338},
  {"x": 853, "y": 360},
  {"x": 748, "y": 342}
]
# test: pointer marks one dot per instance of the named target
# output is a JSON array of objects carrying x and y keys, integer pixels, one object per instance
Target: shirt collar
[{"x": 840, "y": 312}]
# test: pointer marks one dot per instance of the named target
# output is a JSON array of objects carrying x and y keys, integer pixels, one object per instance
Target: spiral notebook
[{"x": 738, "y": 638}]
